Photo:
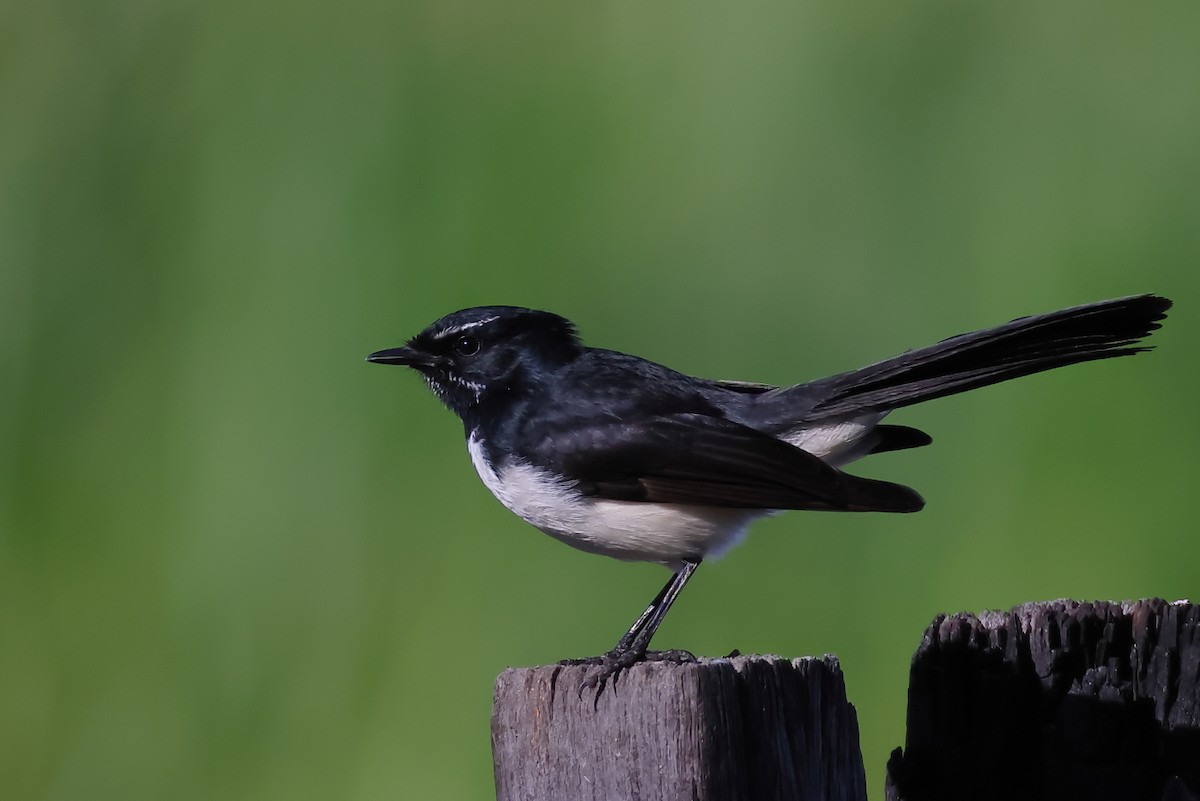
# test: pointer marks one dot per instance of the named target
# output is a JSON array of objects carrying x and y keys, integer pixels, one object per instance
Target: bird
[{"x": 620, "y": 456}]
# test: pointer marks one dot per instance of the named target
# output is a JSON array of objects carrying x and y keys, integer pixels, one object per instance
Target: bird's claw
[
  {"x": 613, "y": 663},
  {"x": 675, "y": 656},
  {"x": 586, "y": 660}
]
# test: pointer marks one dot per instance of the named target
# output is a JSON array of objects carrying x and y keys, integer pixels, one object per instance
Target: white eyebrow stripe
[{"x": 458, "y": 329}]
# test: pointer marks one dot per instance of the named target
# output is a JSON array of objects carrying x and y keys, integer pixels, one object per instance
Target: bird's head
[{"x": 473, "y": 354}]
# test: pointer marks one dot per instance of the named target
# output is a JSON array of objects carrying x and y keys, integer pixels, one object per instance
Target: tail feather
[
  {"x": 897, "y": 438},
  {"x": 873, "y": 495},
  {"x": 1027, "y": 345}
]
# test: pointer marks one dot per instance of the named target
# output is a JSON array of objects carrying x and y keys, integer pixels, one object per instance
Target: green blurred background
[{"x": 236, "y": 562}]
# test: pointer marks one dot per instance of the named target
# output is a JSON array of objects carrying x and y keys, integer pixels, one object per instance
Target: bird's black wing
[
  {"x": 745, "y": 387},
  {"x": 700, "y": 459}
]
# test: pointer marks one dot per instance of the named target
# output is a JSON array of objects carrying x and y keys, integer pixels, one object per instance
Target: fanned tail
[{"x": 1027, "y": 345}]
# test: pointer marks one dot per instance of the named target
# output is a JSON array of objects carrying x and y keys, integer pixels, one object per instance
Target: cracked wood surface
[
  {"x": 747, "y": 727},
  {"x": 1055, "y": 700}
]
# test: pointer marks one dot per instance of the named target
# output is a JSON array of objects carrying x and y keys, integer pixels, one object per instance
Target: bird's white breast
[{"x": 666, "y": 533}]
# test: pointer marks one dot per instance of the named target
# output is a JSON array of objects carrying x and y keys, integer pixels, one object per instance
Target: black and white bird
[{"x": 620, "y": 456}]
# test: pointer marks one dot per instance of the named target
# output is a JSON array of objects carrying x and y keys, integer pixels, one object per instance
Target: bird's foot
[
  {"x": 585, "y": 660},
  {"x": 613, "y": 663},
  {"x": 610, "y": 667},
  {"x": 676, "y": 656}
]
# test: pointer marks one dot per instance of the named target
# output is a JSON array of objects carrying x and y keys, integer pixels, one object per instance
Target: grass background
[{"x": 236, "y": 562}]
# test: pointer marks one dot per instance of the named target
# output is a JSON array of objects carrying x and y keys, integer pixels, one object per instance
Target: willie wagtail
[{"x": 620, "y": 456}]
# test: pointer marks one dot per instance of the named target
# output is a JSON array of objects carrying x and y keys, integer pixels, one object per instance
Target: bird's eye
[{"x": 466, "y": 346}]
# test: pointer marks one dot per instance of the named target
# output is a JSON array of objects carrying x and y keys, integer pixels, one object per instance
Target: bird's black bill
[{"x": 403, "y": 355}]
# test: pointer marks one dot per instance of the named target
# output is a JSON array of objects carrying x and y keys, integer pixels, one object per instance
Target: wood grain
[
  {"x": 750, "y": 727},
  {"x": 1055, "y": 700}
]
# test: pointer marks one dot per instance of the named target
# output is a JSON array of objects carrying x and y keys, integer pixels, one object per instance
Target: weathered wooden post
[
  {"x": 747, "y": 728},
  {"x": 1056, "y": 700}
]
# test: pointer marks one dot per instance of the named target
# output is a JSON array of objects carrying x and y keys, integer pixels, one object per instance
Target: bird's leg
[
  {"x": 632, "y": 648},
  {"x": 641, "y": 640},
  {"x": 627, "y": 639}
]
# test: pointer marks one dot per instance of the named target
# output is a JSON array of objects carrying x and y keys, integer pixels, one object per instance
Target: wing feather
[{"x": 711, "y": 461}]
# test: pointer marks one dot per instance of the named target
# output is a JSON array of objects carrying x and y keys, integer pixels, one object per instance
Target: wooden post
[
  {"x": 1057, "y": 700},
  {"x": 750, "y": 727}
]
